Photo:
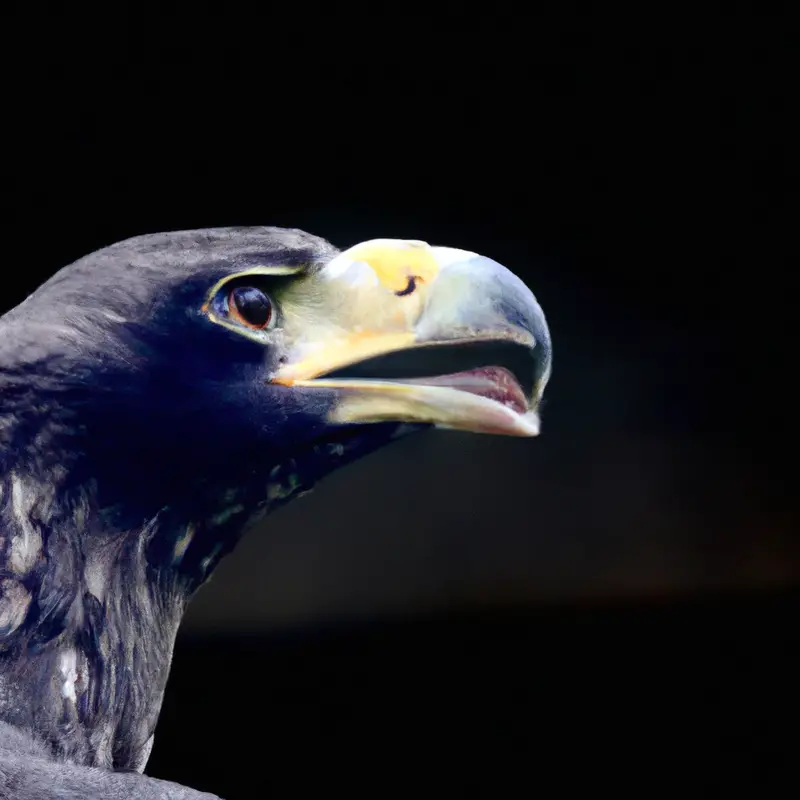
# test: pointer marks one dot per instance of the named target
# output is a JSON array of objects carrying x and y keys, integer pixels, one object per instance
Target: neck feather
[{"x": 87, "y": 625}]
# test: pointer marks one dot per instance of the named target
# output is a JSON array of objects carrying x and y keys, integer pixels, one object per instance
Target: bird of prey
[{"x": 162, "y": 395}]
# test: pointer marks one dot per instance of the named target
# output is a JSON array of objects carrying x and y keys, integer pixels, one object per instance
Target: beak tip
[{"x": 532, "y": 423}]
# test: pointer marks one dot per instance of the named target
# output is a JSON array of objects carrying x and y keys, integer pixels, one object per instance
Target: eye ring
[{"x": 250, "y": 307}]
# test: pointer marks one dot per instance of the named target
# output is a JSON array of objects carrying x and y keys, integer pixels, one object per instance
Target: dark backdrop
[{"x": 614, "y": 601}]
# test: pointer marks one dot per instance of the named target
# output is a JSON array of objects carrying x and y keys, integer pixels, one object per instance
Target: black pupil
[{"x": 253, "y": 305}]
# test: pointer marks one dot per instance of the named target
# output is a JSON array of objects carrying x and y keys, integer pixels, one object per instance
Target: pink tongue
[{"x": 495, "y": 383}]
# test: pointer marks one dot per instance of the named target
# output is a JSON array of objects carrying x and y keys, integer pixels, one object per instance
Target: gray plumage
[
  {"x": 28, "y": 772},
  {"x": 87, "y": 619}
]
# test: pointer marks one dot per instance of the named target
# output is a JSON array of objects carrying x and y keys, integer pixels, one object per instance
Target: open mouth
[
  {"x": 501, "y": 371},
  {"x": 497, "y": 396}
]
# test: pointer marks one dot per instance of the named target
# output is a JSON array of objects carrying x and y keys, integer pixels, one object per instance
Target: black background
[{"x": 613, "y": 603}]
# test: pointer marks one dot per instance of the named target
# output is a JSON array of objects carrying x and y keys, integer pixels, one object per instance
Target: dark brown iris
[{"x": 250, "y": 306}]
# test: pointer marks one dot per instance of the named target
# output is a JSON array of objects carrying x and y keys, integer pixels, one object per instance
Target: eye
[{"x": 249, "y": 306}]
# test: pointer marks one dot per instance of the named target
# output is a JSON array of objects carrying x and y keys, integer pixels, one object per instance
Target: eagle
[{"x": 161, "y": 396}]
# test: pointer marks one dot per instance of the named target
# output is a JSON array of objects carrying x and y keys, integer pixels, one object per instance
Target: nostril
[{"x": 411, "y": 286}]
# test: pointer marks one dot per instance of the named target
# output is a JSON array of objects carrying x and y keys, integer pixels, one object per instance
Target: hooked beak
[{"x": 392, "y": 295}]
